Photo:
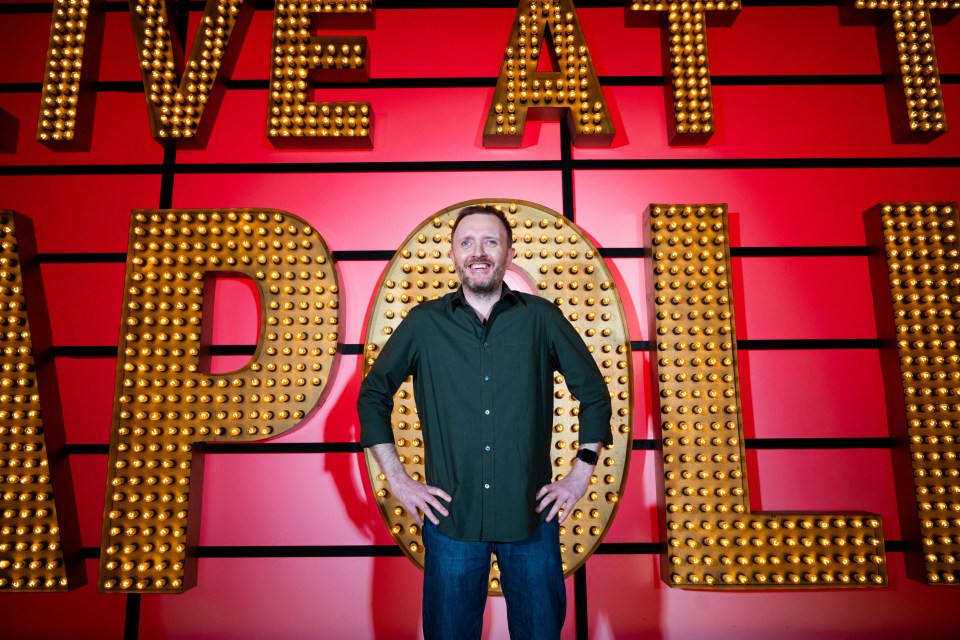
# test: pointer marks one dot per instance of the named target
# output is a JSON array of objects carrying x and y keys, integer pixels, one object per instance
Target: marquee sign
[
  {"x": 166, "y": 406},
  {"x": 182, "y": 96}
]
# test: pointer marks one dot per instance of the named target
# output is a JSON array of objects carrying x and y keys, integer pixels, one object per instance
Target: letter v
[{"x": 176, "y": 102}]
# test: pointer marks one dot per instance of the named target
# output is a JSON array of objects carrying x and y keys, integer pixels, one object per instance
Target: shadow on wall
[
  {"x": 630, "y": 606},
  {"x": 394, "y": 599}
]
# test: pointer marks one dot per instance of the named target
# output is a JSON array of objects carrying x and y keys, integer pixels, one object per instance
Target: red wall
[{"x": 802, "y": 149}]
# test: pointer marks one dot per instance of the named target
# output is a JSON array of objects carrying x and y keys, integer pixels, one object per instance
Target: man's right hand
[
  {"x": 415, "y": 496},
  {"x": 419, "y": 498}
]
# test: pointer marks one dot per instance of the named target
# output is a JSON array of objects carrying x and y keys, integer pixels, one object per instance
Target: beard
[{"x": 482, "y": 285}]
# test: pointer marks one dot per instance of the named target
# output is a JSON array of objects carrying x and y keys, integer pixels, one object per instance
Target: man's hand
[
  {"x": 418, "y": 497},
  {"x": 565, "y": 492},
  {"x": 415, "y": 496}
]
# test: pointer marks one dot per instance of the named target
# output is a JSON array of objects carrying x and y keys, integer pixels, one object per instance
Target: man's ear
[{"x": 513, "y": 253}]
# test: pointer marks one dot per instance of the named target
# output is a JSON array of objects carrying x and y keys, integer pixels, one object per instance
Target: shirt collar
[{"x": 458, "y": 299}]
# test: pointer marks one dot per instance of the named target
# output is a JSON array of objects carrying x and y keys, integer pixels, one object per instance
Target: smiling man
[{"x": 482, "y": 360}]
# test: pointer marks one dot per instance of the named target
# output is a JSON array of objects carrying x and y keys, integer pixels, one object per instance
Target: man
[{"x": 482, "y": 359}]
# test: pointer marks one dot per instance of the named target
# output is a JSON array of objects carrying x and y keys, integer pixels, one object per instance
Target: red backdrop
[{"x": 291, "y": 541}]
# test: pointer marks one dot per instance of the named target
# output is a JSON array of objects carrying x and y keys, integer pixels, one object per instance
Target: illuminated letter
[
  {"x": 684, "y": 29},
  {"x": 39, "y": 539},
  {"x": 73, "y": 55},
  {"x": 554, "y": 257},
  {"x": 292, "y": 119},
  {"x": 714, "y": 540},
  {"x": 911, "y": 67},
  {"x": 551, "y": 28},
  {"x": 166, "y": 407},
  {"x": 176, "y": 107},
  {"x": 922, "y": 265}
]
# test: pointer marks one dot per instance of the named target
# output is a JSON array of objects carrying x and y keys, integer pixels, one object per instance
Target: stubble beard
[{"x": 491, "y": 285}]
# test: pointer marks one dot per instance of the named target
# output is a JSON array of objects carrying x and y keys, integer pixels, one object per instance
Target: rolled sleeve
[
  {"x": 396, "y": 361},
  {"x": 582, "y": 375}
]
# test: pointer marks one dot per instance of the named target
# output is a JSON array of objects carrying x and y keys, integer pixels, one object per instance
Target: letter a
[{"x": 548, "y": 28}]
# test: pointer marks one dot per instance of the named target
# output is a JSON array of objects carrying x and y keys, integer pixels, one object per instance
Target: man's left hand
[{"x": 565, "y": 492}]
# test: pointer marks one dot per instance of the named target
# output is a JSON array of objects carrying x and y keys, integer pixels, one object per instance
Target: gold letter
[
  {"x": 688, "y": 74},
  {"x": 551, "y": 29},
  {"x": 920, "y": 240},
  {"x": 39, "y": 538},
  {"x": 714, "y": 540},
  {"x": 73, "y": 55},
  {"x": 176, "y": 107},
  {"x": 166, "y": 406},
  {"x": 293, "y": 120},
  {"x": 911, "y": 69}
]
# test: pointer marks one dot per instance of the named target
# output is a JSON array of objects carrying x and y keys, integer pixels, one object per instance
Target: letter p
[{"x": 165, "y": 405}]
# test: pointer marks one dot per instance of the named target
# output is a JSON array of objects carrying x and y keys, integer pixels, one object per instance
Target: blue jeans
[{"x": 455, "y": 585}]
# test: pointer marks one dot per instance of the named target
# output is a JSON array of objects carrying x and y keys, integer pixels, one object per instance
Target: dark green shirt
[{"x": 484, "y": 394}]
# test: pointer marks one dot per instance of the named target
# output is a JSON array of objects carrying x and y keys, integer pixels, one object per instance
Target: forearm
[{"x": 386, "y": 456}]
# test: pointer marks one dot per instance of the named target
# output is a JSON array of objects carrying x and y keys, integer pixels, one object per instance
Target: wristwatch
[{"x": 590, "y": 457}]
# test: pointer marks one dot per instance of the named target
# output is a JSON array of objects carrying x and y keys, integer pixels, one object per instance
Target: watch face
[{"x": 590, "y": 457}]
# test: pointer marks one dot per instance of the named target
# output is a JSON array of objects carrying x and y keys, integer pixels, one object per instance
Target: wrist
[
  {"x": 399, "y": 477},
  {"x": 581, "y": 468},
  {"x": 588, "y": 456}
]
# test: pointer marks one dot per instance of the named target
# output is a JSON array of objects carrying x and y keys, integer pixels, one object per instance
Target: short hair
[{"x": 482, "y": 209}]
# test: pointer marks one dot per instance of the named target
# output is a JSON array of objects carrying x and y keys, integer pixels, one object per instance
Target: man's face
[{"x": 480, "y": 253}]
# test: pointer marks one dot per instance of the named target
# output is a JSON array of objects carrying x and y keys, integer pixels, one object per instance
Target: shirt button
[
  {"x": 486, "y": 448},
  {"x": 486, "y": 377},
  {"x": 486, "y": 345},
  {"x": 486, "y": 486},
  {"x": 487, "y": 412}
]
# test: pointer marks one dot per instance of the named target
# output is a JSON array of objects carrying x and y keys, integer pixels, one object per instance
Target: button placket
[{"x": 487, "y": 434}]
